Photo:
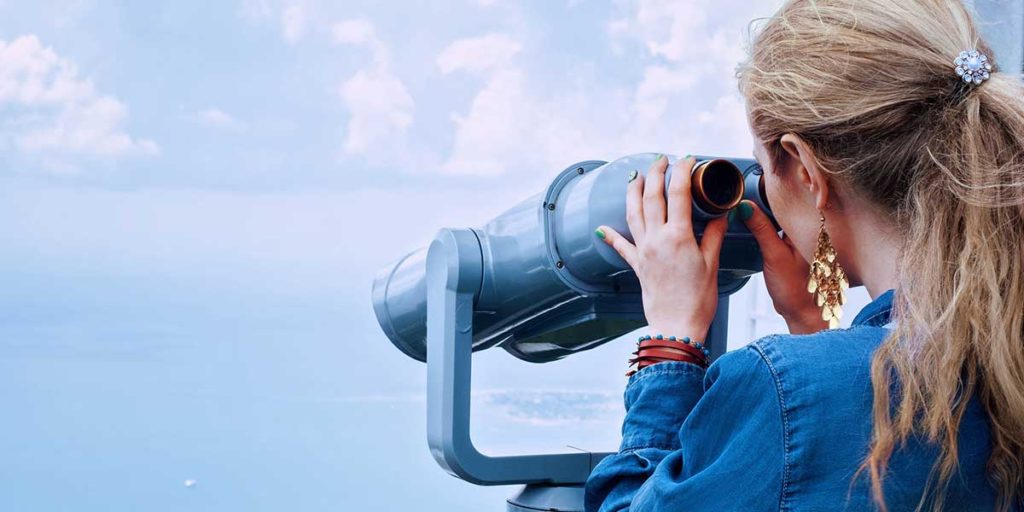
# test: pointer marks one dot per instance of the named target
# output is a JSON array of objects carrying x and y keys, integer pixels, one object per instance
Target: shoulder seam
[{"x": 784, "y": 417}]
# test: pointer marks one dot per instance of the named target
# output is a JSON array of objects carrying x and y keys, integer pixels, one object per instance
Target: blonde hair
[{"x": 869, "y": 85}]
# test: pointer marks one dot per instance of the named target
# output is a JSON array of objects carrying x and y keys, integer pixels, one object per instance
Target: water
[{"x": 147, "y": 393}]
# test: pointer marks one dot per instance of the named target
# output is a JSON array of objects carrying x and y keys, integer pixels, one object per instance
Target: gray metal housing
[{"x": 549, "y": 287}]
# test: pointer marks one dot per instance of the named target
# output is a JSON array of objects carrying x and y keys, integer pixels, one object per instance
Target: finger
[
  {"x": 793, "y": 251},
  {"x": 635, "y": 208},
  {"x": 788, "y": 241},
  {"x": 619, "y": 243},
  {"x": 654, "y": 194},
  {"x": 712, "y": 239},
  {"x": 764, "y": 231},
  {"x": 679, "y": 199}
]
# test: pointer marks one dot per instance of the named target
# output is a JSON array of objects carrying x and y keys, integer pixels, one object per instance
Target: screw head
[
  {"x": 559, "y": 264},
  {"x": 551, "y": 206},
  {"x": 579, "y": 170}
]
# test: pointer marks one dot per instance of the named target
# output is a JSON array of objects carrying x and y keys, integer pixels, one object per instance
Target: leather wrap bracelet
[{"x": 659, "y": 348}]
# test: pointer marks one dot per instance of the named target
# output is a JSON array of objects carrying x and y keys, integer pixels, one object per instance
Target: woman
[{"x": 892, "y": 156}]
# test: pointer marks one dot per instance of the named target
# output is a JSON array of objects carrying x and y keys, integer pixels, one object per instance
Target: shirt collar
[{"x": 877, "y": 312}]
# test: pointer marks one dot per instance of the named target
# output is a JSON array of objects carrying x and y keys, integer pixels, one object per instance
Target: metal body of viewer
[
  {"x": 538, "y": 283},
  {"x": 553, "y": 481}
]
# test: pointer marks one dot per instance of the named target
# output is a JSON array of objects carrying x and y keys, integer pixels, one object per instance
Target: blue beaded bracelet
[{"x": 685, "y": 339}]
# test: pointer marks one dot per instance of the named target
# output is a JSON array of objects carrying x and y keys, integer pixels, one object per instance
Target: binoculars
[{"x": 548, "y": 286}]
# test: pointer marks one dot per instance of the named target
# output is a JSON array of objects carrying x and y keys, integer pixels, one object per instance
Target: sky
[{"x": 195, "y": 197}]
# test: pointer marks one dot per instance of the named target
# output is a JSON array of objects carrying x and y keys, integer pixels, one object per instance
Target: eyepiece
[{"x": 717, "y": 186}]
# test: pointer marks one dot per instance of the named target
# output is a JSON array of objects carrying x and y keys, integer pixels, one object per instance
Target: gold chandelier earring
[{"x": 828, "y": 280}]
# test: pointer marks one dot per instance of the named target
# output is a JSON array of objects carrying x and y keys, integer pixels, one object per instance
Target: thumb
[
  {"x": 711, "y": 240},
  {"x": 619, "y": 243},
  {"x": 762, "y": 228}
]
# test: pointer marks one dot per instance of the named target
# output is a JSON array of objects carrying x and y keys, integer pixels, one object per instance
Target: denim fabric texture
[{"x": 780, "y": 424}]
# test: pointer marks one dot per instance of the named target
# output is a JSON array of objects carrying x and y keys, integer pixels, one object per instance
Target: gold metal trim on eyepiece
[{"x": 701, "y": 196}]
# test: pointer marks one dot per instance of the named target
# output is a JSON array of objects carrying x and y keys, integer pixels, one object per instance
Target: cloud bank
[{"x": 54, "y": 113}]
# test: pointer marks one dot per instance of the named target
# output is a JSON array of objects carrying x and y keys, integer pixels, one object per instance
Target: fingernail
[
  {"x": 600, "y": 233},
  {"x": 633, "y": 174},
  {"x": 746, "y": 211},
  {"x": 731, "y": 216},
  {"x": 658, "y": 157},
  {"x": 687, "y": 156}
]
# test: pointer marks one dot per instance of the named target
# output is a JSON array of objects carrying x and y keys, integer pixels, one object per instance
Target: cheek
[
  {"x": 798, "y": 224},
  {"x": 777, "y": 200}
]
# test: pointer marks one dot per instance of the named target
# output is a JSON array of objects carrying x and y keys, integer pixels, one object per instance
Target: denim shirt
[{"x": 780, "y": 424}]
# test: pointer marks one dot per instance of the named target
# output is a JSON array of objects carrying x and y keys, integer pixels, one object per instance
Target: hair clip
[{"x": 973, "y": 66}]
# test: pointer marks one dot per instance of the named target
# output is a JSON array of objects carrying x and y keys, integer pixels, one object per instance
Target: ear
[{"x": 804, "y": 165}]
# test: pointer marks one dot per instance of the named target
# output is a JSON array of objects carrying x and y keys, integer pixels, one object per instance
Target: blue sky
[{"x": 195, "y": 196}]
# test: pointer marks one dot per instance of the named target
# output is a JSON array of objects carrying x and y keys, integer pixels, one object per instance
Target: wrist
[{"x": 691, "y": 330}]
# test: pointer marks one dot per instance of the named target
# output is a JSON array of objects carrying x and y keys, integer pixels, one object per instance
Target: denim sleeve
[{"x": 726, "y": 424}]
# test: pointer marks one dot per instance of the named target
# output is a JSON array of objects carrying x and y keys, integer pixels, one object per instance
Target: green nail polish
[
  {"x": 731, "y": 216},
  {"x": 600, "y": 233},
  {"x": 633, "y": 174},
  {"x": 746, "y": 211},
  {"x": 658, "y": 157}
]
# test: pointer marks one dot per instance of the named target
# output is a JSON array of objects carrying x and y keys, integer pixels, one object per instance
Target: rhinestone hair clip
[{"x": 973, "y": 66}]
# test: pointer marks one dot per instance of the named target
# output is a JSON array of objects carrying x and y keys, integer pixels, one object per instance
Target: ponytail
[
  {"x": 960, "y": 328},
  {"x": 869, "y": 84}
]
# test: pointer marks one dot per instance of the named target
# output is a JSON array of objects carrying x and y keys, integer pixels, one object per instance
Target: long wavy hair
[{"x": 869, "y": 84}]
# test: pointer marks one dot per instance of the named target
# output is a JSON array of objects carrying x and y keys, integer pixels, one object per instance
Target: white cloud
[
  {"x": 293, "y": 22},
  {"x": 507, "y": 129},
  {"x": 256, "y": 10},
  {"x": 659, "y": 88},
  {"x": 494, "y": 131},
  {"x": 55, "y": 113},
  {"x": 684, "y": 99},
  {"x": 489, "y": 136},
  {"x": 692, "y": 50},
  {"x": 507, "y": 125},
  {"x": 92, "y": 127},
  {"x": 380, "y": 107},
  {"x": 291, "y": 16},
  {"x": 354, "y": 31},
  {"x": 724, "y": 128},
  {"x": 217, "y": 118},
  {"x": 361, "y": 33},
  {"x": 479, "y": 54},
  {"x": 672, "y": 29}
]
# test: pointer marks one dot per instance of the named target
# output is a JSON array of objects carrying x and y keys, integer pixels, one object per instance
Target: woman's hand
[
  {"x": 785, "y": 273},
  {"x": 678, "y": 277}
]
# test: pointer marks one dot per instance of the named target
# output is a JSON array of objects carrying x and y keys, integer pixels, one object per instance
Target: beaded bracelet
[{"x": 650, "y": 351}]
